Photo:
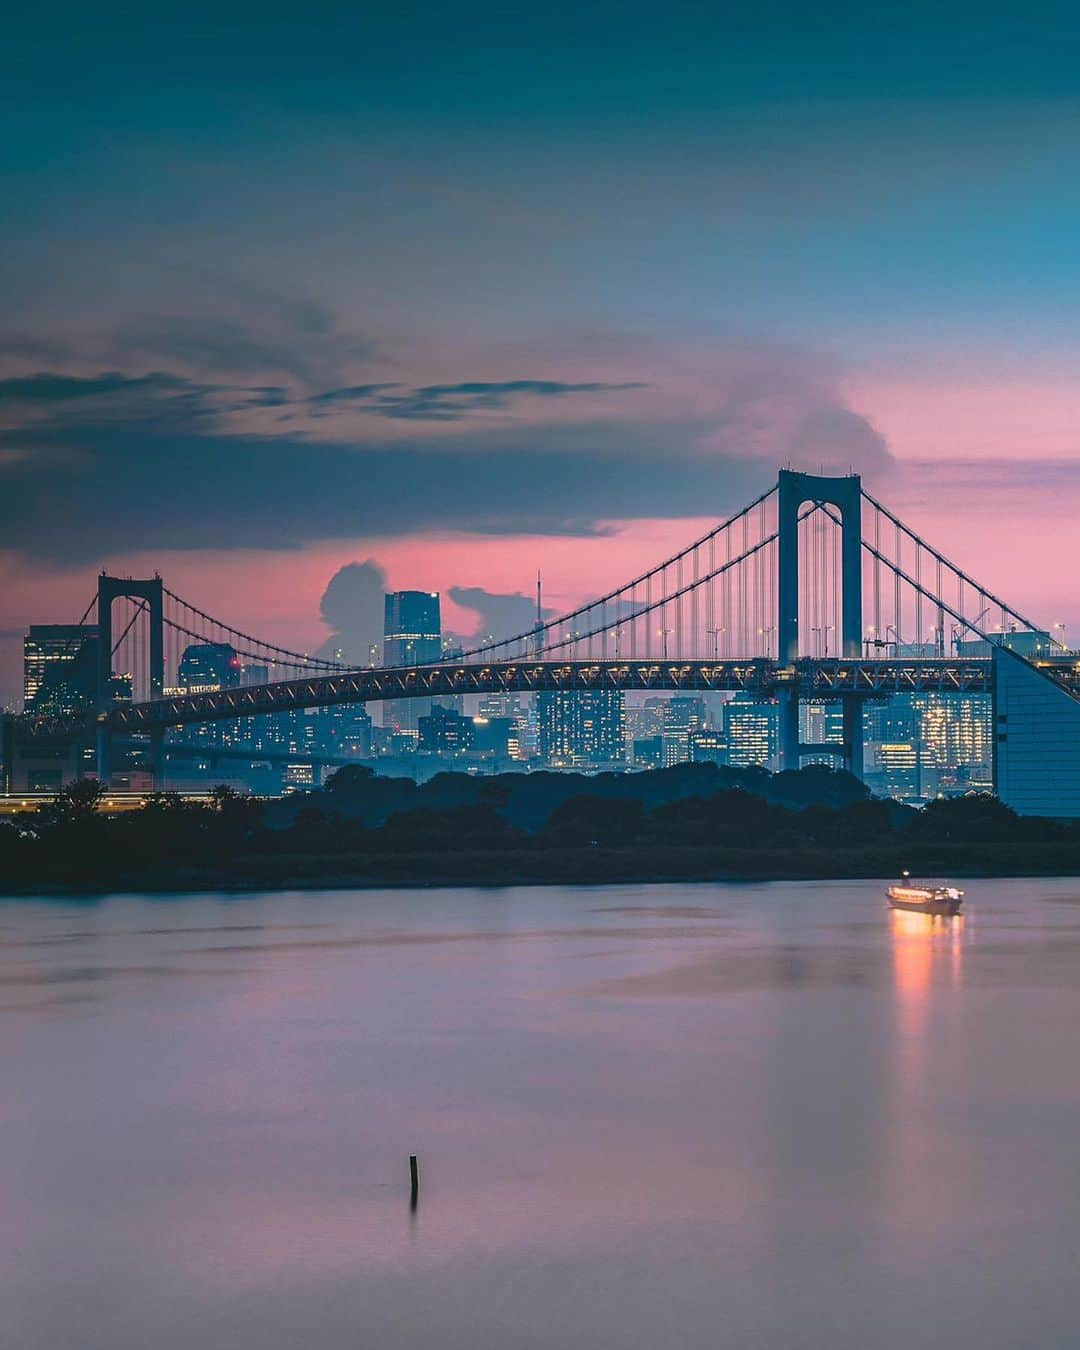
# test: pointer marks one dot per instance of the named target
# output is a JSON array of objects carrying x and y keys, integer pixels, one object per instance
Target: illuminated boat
[{"x": 924, "y": 899}]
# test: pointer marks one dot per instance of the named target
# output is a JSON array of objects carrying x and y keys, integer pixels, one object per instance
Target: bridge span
[
  {"x": 811, "y": 678},
  {"x": 814, "y": 590}
]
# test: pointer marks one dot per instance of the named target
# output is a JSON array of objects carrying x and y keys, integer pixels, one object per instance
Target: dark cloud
[
  {"x": 452, "y": 402},
  {"x": 353, "y": 393},
  {"x": 47, "y": 387},
  {"x": 133, "y": 486},
  {"x": 352, "y": 607},
  {"x": 109, "y": 464},
  {"x": 497, "y": 615}
]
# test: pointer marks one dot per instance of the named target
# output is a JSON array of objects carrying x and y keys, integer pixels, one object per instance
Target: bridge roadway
[{"x": 813, "y": 677}]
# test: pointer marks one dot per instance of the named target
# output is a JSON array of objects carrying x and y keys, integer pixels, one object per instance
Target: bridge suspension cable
[
  {"x": 961, "y": 578},
  {"x": 901, "y": 576},
  {"x": 628, "y": 608},
  {"x": 256, "y": 647}
]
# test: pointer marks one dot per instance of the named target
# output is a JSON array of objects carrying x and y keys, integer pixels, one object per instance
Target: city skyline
[{"x": 294, "y": 338}]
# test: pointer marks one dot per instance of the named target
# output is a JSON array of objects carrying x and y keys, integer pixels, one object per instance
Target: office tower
[
  {"x": 920, "y": 744},
  {"x": 343, "y": 731},
  {"x": 60, "y": 668},
  {"x": 685, "y": 714},
  {"x": 752, "y": 731},
  {"x": 894, "y": 769},
  {"x": 445, "y": 733},
  {"x": 412, "y": 629},
  {"x": 821, "y": 723},
  {"x": 412, "y": 636},
  {"x": 206, "y": 666},
  {"x": 581, "y": 730},
  {"x": 708, "y": 747},
  {"x": 647, "y": 752},
  {"x": 681, "y": 720},
  {"x": 496, "y": 739},
  {"x": 512, "y": 709}
]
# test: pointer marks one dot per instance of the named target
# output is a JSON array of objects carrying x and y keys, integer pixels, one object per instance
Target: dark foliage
[{"x": 696, "y": 821}]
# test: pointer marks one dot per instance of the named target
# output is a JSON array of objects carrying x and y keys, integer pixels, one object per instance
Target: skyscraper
[
  {"x": 412, "y": 628},
  {"x": 582, "y": 729},
  {"x": 207, "y": 666},
  {"x": 412, "y": 636},
  {"x": 752, "y": 731},
  {"x": 60, "y": 668}
]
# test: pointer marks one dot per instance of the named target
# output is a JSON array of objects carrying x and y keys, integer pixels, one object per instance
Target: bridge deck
[{"x": 813, "y": 678}]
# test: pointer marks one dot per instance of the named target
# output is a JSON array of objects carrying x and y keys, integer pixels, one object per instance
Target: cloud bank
[{"x": 99, "y": 463}]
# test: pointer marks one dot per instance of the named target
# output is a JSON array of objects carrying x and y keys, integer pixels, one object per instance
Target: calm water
[{"x": 646, "y": 1116}]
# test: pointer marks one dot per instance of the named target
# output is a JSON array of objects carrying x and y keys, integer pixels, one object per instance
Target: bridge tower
[
  {"x": 150, "y": 592},
  {"x": 845, "y": 493}
]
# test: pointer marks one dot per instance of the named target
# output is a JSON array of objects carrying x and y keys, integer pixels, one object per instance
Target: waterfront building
[
  {"x": 446, "y": 733},
  {"x": 647, "y": 752},
  {"x": 60, "y": 668},
  {"x": 708, "y": 747},
  {"x": 582, "y": 729},
  {"x": 950, "y": 740},
  {"x": 821, "y": 722},
  {"x": 753, "y": 731}
]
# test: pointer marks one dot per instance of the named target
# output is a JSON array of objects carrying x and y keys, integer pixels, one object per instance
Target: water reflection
[
  {"x": 921, "y": 1167},
  {"x": 927, "y": 951},
  {"x": 758, "y": 1115}
]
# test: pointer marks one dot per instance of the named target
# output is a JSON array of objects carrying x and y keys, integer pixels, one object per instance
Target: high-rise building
[
  {"x": 412, "y": 630},
  {"x": 445, "y": 733},
  {"x": 753, "y": 729},
  {"x": 581, "y": 729},
  {"x": 412, "y": 636},
  {"x": 681, "y": 719},
  {"x": 206, "y": 666},
  {"x": 708, "y": 747},
  {"x": 821, "y": 722},
  {"x": 895, "y": 769},
  {"x": 647, "y": 752},
  {"x": 949, "y": 740},
  {"x": 685, "y": 714},
  {"x": 60, "y": 668},
  {"x": 495, "y": 709},
  {"x": 344, "y": 730}
]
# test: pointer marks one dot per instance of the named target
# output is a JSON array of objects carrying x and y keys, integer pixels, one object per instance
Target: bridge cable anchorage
[
  {"x": 532, "y": 635},
  {"x": 959, "y": 573}
]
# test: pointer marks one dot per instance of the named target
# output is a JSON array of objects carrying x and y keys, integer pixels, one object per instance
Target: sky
[{"x": 300, "y": 304}]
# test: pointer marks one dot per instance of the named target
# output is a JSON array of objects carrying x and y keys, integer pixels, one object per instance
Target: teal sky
[{"x": 675, "y": 245}]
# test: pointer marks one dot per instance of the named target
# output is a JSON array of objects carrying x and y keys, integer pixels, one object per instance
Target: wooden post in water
[{"x": 414, "y": 1175}]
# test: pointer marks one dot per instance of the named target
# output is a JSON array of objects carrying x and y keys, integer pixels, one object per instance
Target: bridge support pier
[
  {"x": 104, "y": 753},
  {"x": 789, "y": 728},
  {"x": 157, "y": 757},
  {"x": 852, "y": 706},
  {"x": 845, "y": 494}
]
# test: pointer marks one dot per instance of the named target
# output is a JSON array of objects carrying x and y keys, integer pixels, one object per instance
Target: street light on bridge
[{"x": 824, "y": 630}]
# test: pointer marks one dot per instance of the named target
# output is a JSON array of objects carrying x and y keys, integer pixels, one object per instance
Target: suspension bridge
[{"x": 814, "y": 590}]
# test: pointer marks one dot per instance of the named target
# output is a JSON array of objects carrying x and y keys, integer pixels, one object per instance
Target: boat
[{"x": 924, "y": 899}]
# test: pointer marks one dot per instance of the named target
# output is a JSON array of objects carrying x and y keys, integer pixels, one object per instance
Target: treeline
[{"x": 693, "y": 822}]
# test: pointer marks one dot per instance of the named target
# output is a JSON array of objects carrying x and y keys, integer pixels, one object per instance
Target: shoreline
[{"x": 567, "y": 866}]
